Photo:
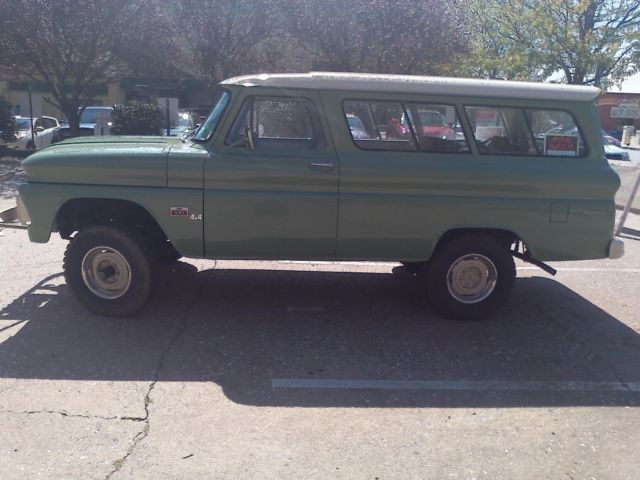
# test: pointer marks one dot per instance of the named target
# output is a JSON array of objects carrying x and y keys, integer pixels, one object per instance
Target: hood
[
  {"x": 82, "y": 125},
  {"x": 107, "y": 160},
  {"x": 131, "y": 140},
  {"x": 613, "y": 150}
]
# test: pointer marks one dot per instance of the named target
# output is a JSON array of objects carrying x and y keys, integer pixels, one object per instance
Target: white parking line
[
  {"x": 453, "y": 385},
  {"x": 588, "y": 269}
]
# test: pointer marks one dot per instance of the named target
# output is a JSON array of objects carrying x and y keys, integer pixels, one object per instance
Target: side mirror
[
  {"x": 39, "y": 129},
  {"x": 248, "y": 135}
]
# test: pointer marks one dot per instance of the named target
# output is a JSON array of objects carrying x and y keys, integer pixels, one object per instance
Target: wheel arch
[
  {"x": 502, "y": 235},
  {"x": 81, "y": 212}
]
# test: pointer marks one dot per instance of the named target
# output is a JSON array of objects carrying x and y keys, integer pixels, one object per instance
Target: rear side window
[
  {"x": 556, "y": 133},
  {"x": 501, "y": 131},
  {"x": 437, "y": 128},
  {"x": 379, "y": 125},
  {"x": 277, "y": 122},
  {"x": 51, "y": 123}
]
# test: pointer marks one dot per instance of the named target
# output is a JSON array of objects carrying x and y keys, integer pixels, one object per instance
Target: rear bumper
[{"x": 616, "y": 249}]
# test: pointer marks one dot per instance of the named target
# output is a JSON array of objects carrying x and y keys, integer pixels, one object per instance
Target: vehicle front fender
[{"x": 178, "y": 211}]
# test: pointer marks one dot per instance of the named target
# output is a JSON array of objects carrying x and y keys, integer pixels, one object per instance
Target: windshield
[
  {"x": 90, "y": 115},
  {"x": 206, "y": 130},
  {"x": 23, "y": 124}
]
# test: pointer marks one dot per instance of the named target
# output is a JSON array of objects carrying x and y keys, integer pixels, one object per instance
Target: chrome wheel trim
[
  {"x": 472, "y": 278},
  {"x": 106, "y": 272}
]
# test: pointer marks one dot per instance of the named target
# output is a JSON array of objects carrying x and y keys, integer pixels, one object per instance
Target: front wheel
[
  {"x": 470, "y": 277},
  {"x": 108, "y": 271}
]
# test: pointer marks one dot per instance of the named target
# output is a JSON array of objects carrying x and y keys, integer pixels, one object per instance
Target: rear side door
[
  {"x": 277, "y": 197},
  {"x": 399, "y": 162}
]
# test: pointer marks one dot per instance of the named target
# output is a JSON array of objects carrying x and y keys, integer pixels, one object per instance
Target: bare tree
[
  {"x": 403, "y": 36},
  {"x": 220, "y": 36},
  {"x": 72, "y": 45}
]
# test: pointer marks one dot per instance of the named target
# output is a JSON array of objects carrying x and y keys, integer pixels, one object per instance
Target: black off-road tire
[
  {"x": 131, "y": 247},
  {"x": 444, "y": 258}
]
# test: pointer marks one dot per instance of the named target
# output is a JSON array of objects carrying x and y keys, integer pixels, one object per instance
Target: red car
[{"x": 435, "y": 125}]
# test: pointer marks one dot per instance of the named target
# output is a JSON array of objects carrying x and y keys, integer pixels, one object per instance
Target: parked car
[
  {"x": 183, "y": 125},
  {"x": 277, "y": 172},
  {"x": 88, "y": 121},
  {"x": 44, "y": 128},
  {"x": 613, "y": 152},
  {"x": 356, "y": 126},
  {"x": 435, "y": 125},
  {"x": 611, "y": 140}
]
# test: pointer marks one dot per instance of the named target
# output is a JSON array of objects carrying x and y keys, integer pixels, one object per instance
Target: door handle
[{"x": 324, "y": 165}]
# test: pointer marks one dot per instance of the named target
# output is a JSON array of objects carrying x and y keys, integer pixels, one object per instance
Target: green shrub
[
  {"x": 136, "y": 119},
  {"x": 7, "y": 121}
]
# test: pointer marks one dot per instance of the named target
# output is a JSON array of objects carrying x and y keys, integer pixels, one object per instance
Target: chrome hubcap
[
  {"x": 106, "y": 272},
  {"x": 472, "y": 278}
]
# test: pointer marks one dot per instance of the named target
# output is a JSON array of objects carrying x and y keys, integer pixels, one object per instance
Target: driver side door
[{"x": 276, "y": 196}]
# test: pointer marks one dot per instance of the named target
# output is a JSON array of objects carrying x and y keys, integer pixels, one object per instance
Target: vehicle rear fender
[{"x": 504, "y": 237}]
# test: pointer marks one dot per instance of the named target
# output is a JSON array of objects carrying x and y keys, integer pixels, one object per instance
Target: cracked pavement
[{"x": 185, "y": 389}]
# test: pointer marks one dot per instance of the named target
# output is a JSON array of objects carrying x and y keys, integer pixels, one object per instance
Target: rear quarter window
[
  {"x": 556, "y": 133},
  {"x": 525, "y": 131}
]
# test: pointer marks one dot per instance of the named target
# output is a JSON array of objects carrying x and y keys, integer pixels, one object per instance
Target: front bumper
[
  {"x": 23, "y": 214},
  {"x": 616, "y": 249}
]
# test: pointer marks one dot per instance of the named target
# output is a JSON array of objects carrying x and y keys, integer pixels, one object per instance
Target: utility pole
[
  {"x": 167, "y": 117},
  {"x": 33, "y": 134}
]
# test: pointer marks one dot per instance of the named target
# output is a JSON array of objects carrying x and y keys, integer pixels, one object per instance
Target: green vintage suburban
[{"x": 454, "y": 176}]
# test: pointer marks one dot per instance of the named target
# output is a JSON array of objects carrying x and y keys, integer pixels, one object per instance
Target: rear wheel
[
  {"x": 470, "y": 277},
  {"x": 108, "y": 271}
]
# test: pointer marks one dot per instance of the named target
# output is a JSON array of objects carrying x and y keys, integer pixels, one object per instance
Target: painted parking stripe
[
  {"x": 588, "y": 269},
  {"x": 452, "y": 385}
]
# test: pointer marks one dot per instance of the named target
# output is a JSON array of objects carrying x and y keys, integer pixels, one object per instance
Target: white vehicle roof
[{"x": 368, "y": 82}]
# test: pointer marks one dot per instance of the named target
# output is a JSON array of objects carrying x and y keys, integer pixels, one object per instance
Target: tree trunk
[{"x": 70, "y": 109}]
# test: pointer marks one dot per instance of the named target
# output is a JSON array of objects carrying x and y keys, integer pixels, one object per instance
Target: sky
[{"x": 630, "y": 85}]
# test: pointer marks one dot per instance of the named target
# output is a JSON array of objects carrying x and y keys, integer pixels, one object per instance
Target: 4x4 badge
[{"x": 179, "y": 211}]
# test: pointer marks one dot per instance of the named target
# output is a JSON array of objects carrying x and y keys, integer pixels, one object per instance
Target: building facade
[
  {"x": 186, "y": 94},
  {"x": 618, "y": 110}
]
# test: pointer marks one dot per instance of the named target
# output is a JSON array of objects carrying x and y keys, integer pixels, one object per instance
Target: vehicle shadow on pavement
[{"x": 255, "y": 331}]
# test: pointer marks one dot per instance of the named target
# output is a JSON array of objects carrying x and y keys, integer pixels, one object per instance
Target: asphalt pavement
[{"x": 242, "y": 370}]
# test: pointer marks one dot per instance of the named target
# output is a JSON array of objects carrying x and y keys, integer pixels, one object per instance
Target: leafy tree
[
  {"x": 136, "y": 119},
  {"x": 7, "y": 121},
  {"x": 72, "y": 45},
  {"x": 590, "y": 42},
  {"x": 491, "y": 53},
  {"x": 403, "y": 36}
]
